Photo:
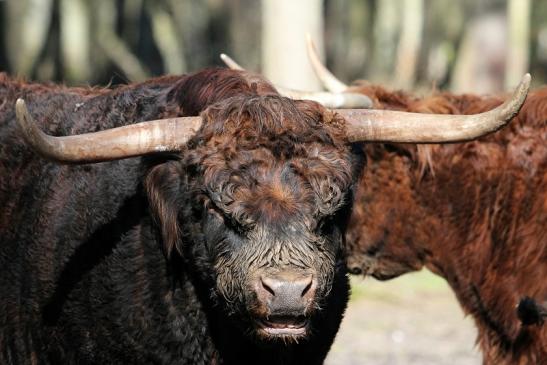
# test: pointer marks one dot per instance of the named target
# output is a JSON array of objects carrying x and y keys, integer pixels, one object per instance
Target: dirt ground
[{"x": 411, "y": 320}]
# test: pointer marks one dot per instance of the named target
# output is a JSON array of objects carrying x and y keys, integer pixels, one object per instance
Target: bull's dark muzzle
[
  {"x": 286, "y": 293},
  {"x": 286, "y": 297}
]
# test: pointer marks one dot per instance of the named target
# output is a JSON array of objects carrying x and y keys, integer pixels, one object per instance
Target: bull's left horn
[
  {"x": 403, "y": 127},
  {"x": 162, "y": 135}
]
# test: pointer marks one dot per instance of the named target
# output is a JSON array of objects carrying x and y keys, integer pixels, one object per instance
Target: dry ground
[{"x": 411, "y": 320}]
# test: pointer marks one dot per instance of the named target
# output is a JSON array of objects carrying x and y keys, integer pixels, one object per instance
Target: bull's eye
[
  {"x": 213, "y": 228},
  {"x": 234, "y": 225},
  {"x": 326, "y": 226},
  {"x": 220, "y": 224}
]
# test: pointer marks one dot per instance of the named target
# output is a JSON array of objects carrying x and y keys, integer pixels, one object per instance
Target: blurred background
[{"x": 479, "y": 46}]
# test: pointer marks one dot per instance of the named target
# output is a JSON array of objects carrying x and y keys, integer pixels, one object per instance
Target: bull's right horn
[
  {"x": 402, "y": 127},
  {"x": 162, "y": 135}
]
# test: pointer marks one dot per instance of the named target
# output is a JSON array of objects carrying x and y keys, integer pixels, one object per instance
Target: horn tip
[
  {"x": 526, "y": 79},
  {"x": 310, "y": 43},
  {"x": 20, "y": 103},
  {"x": 225, "y": 58},
  {"x": 20, "y": 109},
  {"x": 230, "y": 62},
  {"x": 523, "y": 86}
]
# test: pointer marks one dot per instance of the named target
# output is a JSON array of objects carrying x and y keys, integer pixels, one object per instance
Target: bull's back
[{"x": 48, "y": 211}]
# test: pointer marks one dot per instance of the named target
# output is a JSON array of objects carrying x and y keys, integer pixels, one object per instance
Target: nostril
[
  {"x": 307, "y": 287},
  {"x": 267, "y": 287},
  {"x": 286, "y": 291}
]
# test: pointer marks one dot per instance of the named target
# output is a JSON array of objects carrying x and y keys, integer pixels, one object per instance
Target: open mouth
[{"x": 283, "y": 325}]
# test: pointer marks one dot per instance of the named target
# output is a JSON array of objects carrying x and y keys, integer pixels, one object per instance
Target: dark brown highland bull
[
  {"x": 474, "y": 213},
  {"x": 217, "y": 237}
]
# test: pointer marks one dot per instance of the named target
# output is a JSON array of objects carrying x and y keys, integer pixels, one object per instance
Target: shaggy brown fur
[
  {"x": 474, "y": 213},
  {"x": 160, "y": 259}
]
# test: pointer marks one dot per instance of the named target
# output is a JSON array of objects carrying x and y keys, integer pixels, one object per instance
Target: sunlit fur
[
  {"x": 474, "y": 213},
  {"x": 152, "y": 259}
]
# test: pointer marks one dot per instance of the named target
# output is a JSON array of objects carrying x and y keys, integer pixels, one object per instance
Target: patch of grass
[{"x": 421, "y": 283}]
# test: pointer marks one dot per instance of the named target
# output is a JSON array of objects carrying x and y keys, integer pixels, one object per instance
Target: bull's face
[
  {"x": 273, "y": 250},
  {"x": 267, "y": 191}
]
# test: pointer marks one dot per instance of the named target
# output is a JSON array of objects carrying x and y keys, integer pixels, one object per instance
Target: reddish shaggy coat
[{"x": 474, "y": 213}]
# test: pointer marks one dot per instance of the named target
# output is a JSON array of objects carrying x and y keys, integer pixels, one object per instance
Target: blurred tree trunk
[
  {"x": 75, "y": 40},
  {"x": 441, "y": 37},
  {"x": 132, "y": 13},
  {"x": 518, "y": 17},
  {"x": 480, "y": 63},
  {"x": 245, "y": 33},
  {"x": 27, "y": 23},
  {"x": 408, "y": 50},
  {"x": 385, "y": 30},
  {"x": 360, "y": 38},
  {"x": 191, "y": 20},
  {"x": 284, "y": 26},
  {"x": 113, "y": 46},
  {"x": 336, "y": 36},
  {"x": 165, "y": 36}
]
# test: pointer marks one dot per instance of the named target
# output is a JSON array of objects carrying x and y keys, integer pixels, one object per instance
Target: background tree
[{"x": 469, "y": 45}]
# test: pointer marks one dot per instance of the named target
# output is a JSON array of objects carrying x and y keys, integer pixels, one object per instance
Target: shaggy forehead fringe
[
  {"x": 250, "y": 117},
  {"x": 274, "y": 151}
]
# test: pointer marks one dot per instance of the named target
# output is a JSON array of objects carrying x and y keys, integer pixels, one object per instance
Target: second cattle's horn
[
  {"x": 327, "y": 99},
  {"x": 329, "y": 81}
]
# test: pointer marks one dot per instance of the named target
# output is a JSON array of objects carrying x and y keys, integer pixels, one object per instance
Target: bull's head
[{"x": 258, "y": 198}]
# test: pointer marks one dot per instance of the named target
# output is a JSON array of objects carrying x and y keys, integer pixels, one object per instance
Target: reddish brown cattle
[{"x": 474, "y": 213}]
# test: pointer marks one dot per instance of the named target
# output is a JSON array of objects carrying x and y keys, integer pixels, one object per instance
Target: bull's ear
[{"x": 163, "y": 187}]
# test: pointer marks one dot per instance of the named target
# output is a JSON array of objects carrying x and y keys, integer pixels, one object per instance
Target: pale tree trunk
[
  {"x": 518, "y": 17},
  {"x": 480, "y": 62},
  {"x": 408, "y": 50},
  {"x": 75, "y": 40},
  {"x": 386, "y": 27},
  {"x": 284, "y": 26},
  {"x": 113, "y": 46},
  {"x": 165, "y": 35},
  {"x": 27, "y": 23}
]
